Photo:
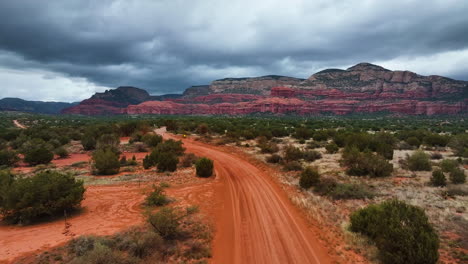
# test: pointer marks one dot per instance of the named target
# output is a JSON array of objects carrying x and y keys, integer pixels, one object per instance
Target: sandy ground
[
  {"x": 18, "y": 124},
  {"x": 255, "y": 221}
]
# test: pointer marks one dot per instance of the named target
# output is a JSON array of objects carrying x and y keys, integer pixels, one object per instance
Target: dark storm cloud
[{"x": 165, "y": 46}]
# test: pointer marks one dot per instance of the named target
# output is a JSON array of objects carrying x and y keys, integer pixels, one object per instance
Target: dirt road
[
  {"x": 18, "y": 124},
  {"x": 255, "y": 221}
]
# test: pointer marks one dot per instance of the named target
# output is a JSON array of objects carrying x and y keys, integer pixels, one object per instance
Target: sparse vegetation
[
  {"x": 49, "y": 193},
  {"x": 438, "y": 178},
  {"x": 204, "y": 167},
  {"x": 402, "y": 232},
  {"x": 419, "y": 161},
  {"x": 309, "y": 177},
  {"x": 457, "y": 176}
]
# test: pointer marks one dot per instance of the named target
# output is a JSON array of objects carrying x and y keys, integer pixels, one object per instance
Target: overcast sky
[{"x": 67, "y": 50}]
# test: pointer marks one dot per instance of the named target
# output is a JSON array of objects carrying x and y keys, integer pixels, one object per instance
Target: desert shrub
[
  {"x": 197, "y": 250},
  {"x": 292, "y": 153},
  {"x": 320, "y": 135},
  {"x": 102, "y": 254},
  {"x": 436, "y": 156},
  {"x": 274, "y": 158},
  {"x": 303, "y": 133},
  {"x": 170, "y": 146},
  {"x": 459, "y": 144},
  {"x": 167, "y": 162},
  {"x": 45, "y": 194},
  {"x": 385, "y": 150},
  {"x": 188, "y": 160},
  {"x": 332, "y": 148},
  {"x": 438, "y": 178},
  {"x": 419, "y": 161},
  {"x": 166, "y": 222},
  {"x": 312, "y": 155},
  {"x": 309, "y": 177},
  {"x": 157, "y": 197},
  {"x": 413, "y": 141},
  {"x": 8, "y": 157},
  {"x": 151, "y": 140},
  {"x": 108, "y": 141},
  {"x": 453, "y": 191},
  {"x": 447, "y": 165},
  {"x": 61, "y": 152},
  {"x": 345, "y": 191},
  {"x": 269, "y": 147},
  {"x": 292, "y": 166},
  {"x": 148, "y": 162},
  {"x": 88, "y": 141},
  {"x": 325, "y": 186},
  {"x": 37, "y": 152},
  {"x": 106, "y": 162},
  {"x": 401, "y": 232},
  {"x": 204, "y": 167},
  {"x": 313, "y": 145},
  {"x": 436, "y": 140},
  {"x": 457, "y": 176},
  {"x": 361, "y": 164}
]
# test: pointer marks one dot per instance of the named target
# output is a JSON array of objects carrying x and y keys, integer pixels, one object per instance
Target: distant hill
[
  {"x": 16, "y": 104},
  {"x": 363, "y": 88}
]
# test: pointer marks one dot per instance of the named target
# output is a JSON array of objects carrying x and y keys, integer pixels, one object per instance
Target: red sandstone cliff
[{"x": 363, "y": 88}]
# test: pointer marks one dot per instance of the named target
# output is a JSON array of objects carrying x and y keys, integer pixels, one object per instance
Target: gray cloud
[{"x": 165, "y": 46}]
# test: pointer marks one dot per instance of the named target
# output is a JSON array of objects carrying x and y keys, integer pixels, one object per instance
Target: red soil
[
  {"x": 106, "y": 210},
  {"x": 255, "y": 221}
]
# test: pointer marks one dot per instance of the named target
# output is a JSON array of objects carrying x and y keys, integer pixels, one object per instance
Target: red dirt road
[{"x": 255, "y": 221}]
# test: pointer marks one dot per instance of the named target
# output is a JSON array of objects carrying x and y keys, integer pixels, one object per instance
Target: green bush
[
  {"x": 361, "y": 164},
  {"x": 309, "y": 177},
  {"x": 274, "y": 158},
  {"x": 167, "y": 162},
  {"x": 457, "y": 176},
  {"x": 61, "y": 152},
  {"x": 23, "y": 200},
  {"x": 37, "y": 152},
  {"x": 204, "y": 167},
  {"x": 447, "y": 165},
  {"x": 438, "y": 178},
  {"x": 269, "y": 147},
  {"x": 346, "y": 191},
  {"x": 413, "y": 141},
  {"x": 292, "y": 166},
  {"x": 8, "y": 157},
  {"x": 419, "y": 161},
  {"x": 312, "y": 155},
  {"x": 459, "y": 144},
  {"x": 292, "y": 153},
  {"x": 166, "y": 222},
  {"x": 332, "y": 148},
  {"x": 170, "y": 146},
  {"x": 106, "y": 162},
  {"x": 157, "y": 197},
  {"x": 401, "y": 232},
  {"x": 102, "y": 254},
  {"x": 152, "y": 140}
]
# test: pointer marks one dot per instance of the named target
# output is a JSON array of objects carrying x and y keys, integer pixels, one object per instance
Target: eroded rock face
[{"x": 363, "y": 88}]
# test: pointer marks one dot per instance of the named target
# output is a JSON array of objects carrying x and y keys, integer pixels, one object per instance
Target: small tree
[
  {"x": 332, "y": 148},
  {"x": 309, "y": 177},
  {"x": 457, "y": 176},
  {"x": 438, "y": 178},
  {"x": 106, "y": 162},
  {"x": 61, "y": 152},
  {"x": 292, "y": 153},
  {"x": 166, "y": 222},
  {"x": 447, "y": 165},
  {"x": 419, "y": 161},
  {"x": 157, "y": 197},
  {"x": 204, "y": 167},
  {"x": 37, "y": 152},
  {"x": 152, "y": 140},
  {"x": 167, "y": 162}
]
